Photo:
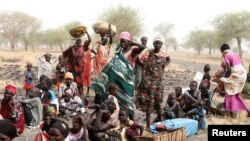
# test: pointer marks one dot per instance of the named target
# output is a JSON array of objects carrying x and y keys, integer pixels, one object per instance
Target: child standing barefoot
[{"x": 28, "y": 84}]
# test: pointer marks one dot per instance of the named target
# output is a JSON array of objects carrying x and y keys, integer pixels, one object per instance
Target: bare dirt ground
[{"x": 180, "y": 73}]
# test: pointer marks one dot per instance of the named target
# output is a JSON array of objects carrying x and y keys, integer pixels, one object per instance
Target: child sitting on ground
[
  {"x": 172, "y": 108},
  {"x": 112, "y": 93},
  {"x": 206, "y": 95},
  {"x": 78, "y": 131},
  {"x": 33, "y": 107},
  {"x": 199, "y": 114},
  {"x": 179, "y": 96},
  {"x": 68, "y": 106},
  {"x": 191, "y": 97}
]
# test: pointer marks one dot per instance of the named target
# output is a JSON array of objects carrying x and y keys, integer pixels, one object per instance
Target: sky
[{"x": 186, "y": 15}]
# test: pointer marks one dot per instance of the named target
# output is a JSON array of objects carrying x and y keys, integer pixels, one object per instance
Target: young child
[
  {"x": 34, "y": 105},
  {"x": 179, "y": 96},
  {"x": 60, "y": 71},
  {"x": 206, "y": 95},
  {"x": 191, "y": 97},
  {"x": 206, "y": 72},
  {"x": 99, "y": 124},
  {"x": 48, "y": 96},
  {"x": 172, "y": 108},
  {"x": 28, "y": 84},
  {"x": 129, "y": 128},
  {"x": 113, "y": 91},
  {"x": 79, "y": 130},
  {"x": 199, "y": 114},
  {"x": 68, "y": 106}
]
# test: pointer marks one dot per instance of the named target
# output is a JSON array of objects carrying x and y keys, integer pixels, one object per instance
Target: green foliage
[
  {"x": 233, "y": 25},
  {"x": 125, "y": 18},
  {"x": 18, "y": 26},
  {"x": 196, "y": 40},
  {"x": 165, "y": 30},
  {"x": 60, "y": 36}
]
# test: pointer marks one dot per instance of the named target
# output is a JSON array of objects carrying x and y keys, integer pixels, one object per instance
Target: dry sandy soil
[{"x": 180, "y": 72}]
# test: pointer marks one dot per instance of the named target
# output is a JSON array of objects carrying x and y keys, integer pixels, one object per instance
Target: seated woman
[
  {"x": 34, "y": 105},
  {"x": 97, "y": 126},
  {"x": 59, "y": 131},
  {"x": 79, "y": 130},
  {"x": 7, "y": 130},
  {"x": 68, "y": 106},
  {"x": 172, "y": 108},
  {"x": 12, "y": 109},
  {"x": 190, "y": 125}
]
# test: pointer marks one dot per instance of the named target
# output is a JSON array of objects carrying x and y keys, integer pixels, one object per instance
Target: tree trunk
[
  {"x": 26, "y": 45},
  {"x": 199, "y": 50},
  {"x": 210, "y": 50},
  {"x": 239, "y": 46},
  {"x": 175, "y": 48},
  {"x": 214, "y": 50},
  {"x": 61, "y": 47},
  {"x": 12, "y": 44}
]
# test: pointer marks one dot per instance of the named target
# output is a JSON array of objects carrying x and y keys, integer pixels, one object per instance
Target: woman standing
[
  {"x": 102, "y": 52},
  {"x": 74, "y": 57},
  {"x": 151, "y": 93},
  {"x": 120, "y": 71},
  {"x": 233, "y": 81}
]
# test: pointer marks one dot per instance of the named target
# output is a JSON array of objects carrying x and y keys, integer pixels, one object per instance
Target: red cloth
[
  {"x": 13, "y": 110},
  {"x": 11, "y": 89}
]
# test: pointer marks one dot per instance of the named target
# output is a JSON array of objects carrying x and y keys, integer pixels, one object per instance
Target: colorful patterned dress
[{"x": 151, "y": 94}]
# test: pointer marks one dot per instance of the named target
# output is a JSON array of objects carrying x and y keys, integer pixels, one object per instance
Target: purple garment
[
  {"x": 232, "y": 58},
  {"x": 234, "y": 103}
]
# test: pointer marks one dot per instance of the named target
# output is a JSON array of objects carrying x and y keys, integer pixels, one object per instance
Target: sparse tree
[
  {"x": 125, "y": 18},
  {"x": 196, "y": 40},
  {"x": 29, "y": 26},
  {"x": 234, "y": 26},
  {"x": 165, "y": 30},
  {"x": 10, "y": 25}
]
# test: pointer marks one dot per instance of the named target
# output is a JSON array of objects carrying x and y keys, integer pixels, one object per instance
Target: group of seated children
[{"x": 193, "y": 103}]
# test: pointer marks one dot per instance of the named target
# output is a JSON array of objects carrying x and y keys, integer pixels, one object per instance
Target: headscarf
[
  {"x": 158, "y": 38},
  {"x": 125, "y": 35},
  {"x": 11, "y": 89},
  {"x": 69, "y": 91},
  {"x": 49, "y": 108},
  {"x": 68, "y": 75}
]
